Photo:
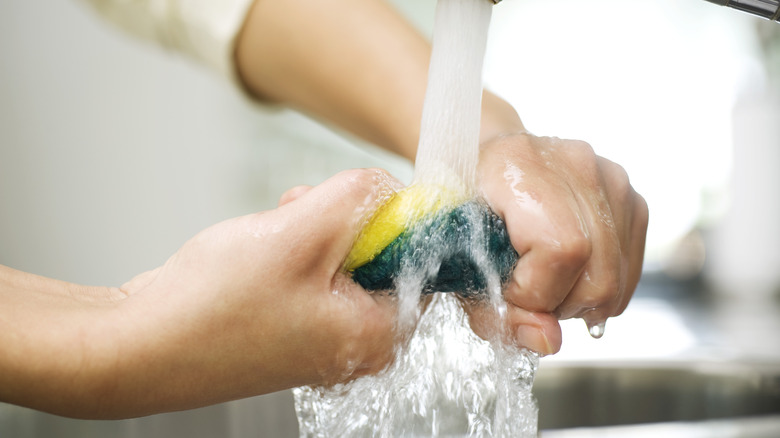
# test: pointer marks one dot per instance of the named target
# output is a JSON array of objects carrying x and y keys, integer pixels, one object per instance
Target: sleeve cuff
[{"x": 205, "y": 30}]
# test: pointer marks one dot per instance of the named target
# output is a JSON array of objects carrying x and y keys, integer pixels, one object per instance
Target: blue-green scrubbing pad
[{"x": 455, "y": 236}]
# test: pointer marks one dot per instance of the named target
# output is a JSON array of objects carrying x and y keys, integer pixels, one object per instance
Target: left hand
[
  {"x": 257, "y": 304},
  {"x": 578, "y": 226}
]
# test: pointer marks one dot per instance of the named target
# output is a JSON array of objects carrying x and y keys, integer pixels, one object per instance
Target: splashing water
[{"x": 445, "y": 381}]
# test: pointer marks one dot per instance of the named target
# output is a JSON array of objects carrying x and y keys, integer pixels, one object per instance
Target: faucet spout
[{"x": 769, "y": 9}]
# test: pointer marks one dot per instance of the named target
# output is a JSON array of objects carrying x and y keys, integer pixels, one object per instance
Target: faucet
[{"x": 769, "y": 9}]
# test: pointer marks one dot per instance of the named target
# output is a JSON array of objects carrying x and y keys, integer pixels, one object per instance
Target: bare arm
[
  {"x": 249, "y": 306},
  {"x": 49, "y": 330},
  {"x": 355, "y": 63}
]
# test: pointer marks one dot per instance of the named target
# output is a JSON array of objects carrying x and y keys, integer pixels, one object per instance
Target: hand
[
  {"x": 259, "y": 303},
  {"x": 578, "y": 226}
]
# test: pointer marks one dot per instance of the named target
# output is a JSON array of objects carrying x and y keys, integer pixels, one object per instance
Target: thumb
[{"x": 338, "y": 208}]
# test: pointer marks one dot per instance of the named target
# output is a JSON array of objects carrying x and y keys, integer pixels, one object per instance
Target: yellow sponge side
[{"x": 403, "y": 209}]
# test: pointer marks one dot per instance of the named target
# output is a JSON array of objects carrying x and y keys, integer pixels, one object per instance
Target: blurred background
[{"x": 114, "y": 152}]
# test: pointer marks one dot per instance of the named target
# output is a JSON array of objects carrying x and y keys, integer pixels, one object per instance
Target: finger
[
  {"x": 368, "y": 331},
  {"x": 618, "y": 231},
  {"x": 293, "y": 194},
  {"x": 544, "y": 275},
  {"x": 632, "y": 219},
  {"x": 554, "y": 248},
  {"x": 598, "y": 291},
  {"x": 546, "y": 227},
  {"x": 536, "y": 331},
  {"x": 636, "y": 251}
]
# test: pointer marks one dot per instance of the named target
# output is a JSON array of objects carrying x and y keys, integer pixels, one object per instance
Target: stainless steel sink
[{"x": 706, "y": 399}]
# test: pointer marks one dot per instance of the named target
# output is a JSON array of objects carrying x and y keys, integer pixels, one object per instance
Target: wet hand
[
  {"x": 578, "y": 226},
  {"x": 260, "y": 303}
]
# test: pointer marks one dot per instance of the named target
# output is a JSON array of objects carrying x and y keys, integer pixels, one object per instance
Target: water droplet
[{"x": 597, "y": 330}]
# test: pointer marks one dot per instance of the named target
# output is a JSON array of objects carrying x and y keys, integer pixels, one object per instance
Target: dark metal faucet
[{"x": 769, "y": 9}]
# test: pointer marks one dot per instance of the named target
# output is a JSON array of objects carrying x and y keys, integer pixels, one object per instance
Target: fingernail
[{"x": 533, "y": 338}]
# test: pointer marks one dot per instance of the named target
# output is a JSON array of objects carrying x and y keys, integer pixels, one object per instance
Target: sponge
[{"x": 457, "y": 243}]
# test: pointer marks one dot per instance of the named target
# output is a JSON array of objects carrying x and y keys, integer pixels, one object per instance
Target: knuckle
[
  {"x": 347, "y": 355},
  {"x": 573, "y": 253},
  {"x": 618, "y": 180},
  {"x": 512, "y": 291},
  {"x": 609, "y": 288},
  {"x": 617, "y": 175},
  {"x": 532, "y": 297},
  {"x": 360, "y": 183},
  {"x": 360, "y": 177},
  {"x": 642, "y": 212},
  {"x": 601, "y": 295},
  {"x": 620, "y": 174},
  {"x": 582, "y": 159},
  {"x": 364, "y": 347},
  {"x": 581, "y": 151}
]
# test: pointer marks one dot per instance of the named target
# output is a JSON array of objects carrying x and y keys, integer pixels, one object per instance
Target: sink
[{"x": 706, "y": 399}]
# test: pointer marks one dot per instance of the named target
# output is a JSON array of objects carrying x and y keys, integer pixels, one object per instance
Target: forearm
[
  {"x": 94, "y": 352},
  {"x": 355, "y": 63},
  {"x": 52, "y": 337}
]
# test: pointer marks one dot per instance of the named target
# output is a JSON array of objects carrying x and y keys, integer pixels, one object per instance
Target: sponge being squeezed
[{"x": 455, "y": 242}]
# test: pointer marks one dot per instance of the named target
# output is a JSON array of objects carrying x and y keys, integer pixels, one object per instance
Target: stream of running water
[{"x": 445, "y": 381}]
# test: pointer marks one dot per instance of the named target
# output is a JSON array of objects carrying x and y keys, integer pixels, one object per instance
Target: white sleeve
[{"x": 203, "y": 29}]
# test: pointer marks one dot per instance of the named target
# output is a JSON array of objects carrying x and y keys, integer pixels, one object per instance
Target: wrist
[
  {"x": 499, "y": 118},
  {"x": 56, "y": 339}
]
